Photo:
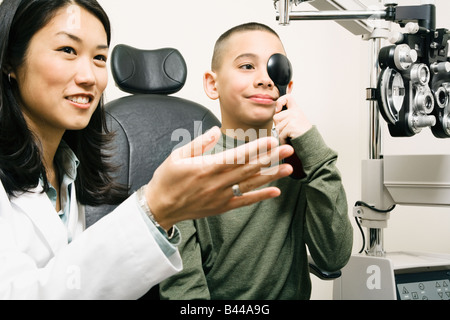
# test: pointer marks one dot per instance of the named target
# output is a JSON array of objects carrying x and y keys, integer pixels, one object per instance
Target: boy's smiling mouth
[{"x": 262, "y": 99}]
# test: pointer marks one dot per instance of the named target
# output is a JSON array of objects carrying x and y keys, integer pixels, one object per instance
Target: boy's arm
[
  {"x": 190, "y": 283},
  {"x": 328, "y": 231}
]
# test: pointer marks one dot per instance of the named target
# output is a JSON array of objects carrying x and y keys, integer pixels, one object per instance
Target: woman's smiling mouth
[{"x": 80, "y": 100}]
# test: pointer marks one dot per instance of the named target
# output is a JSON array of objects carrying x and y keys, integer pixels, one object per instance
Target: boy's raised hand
[{"x": 291, "y": 122}]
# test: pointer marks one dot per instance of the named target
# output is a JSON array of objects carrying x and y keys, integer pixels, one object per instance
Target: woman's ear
[
  {"x": 209, "y": 85},
  {"x": 9, "y": 72}
]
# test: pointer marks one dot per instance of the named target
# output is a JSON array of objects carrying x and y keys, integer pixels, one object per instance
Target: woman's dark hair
[{"x": 21, "y": 163}]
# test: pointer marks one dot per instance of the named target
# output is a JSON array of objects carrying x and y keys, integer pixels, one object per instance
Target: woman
[{"x": 53, "y": 56}]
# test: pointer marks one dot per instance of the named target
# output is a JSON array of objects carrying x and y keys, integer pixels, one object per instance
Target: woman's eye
[
  {"x": 101, "y": 57},
  {"x": 68, "y": 50}
]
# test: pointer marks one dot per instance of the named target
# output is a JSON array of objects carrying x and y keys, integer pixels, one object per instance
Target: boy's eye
[{"x": 246, "y": 66}]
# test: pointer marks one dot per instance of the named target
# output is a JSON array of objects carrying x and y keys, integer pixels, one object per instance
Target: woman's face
[{"x": 64, "y": 72}]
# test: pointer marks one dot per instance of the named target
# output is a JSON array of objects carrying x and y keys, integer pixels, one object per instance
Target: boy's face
[{"x": 247, "y": 94}]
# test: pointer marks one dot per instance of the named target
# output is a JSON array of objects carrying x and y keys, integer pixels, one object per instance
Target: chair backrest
[{"x": 149, "y": 123}]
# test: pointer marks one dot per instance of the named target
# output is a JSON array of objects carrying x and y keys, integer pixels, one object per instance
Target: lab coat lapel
[
  {"x": 38, "y": 207},
  {"x": 76, "y": 223}
]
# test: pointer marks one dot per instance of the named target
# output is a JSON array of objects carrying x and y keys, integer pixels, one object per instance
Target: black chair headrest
[{"x": 161, "y": 71}]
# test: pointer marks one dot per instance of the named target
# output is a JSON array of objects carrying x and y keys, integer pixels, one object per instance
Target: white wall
[{"x": 330, "y": 75}]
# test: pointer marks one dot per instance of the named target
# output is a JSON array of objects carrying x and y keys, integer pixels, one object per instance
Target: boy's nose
[{"x": 265, "y": 81}]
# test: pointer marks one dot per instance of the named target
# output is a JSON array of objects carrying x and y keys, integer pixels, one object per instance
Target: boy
[{"x": 259, "y": 252}]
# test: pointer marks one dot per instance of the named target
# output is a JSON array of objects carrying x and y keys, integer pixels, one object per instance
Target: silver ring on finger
[{"x": 236, "y": 190}]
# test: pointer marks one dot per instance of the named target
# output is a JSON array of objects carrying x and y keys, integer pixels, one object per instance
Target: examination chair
[{"x": 145, "y": 120}]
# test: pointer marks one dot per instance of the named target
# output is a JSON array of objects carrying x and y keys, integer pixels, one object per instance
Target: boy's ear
[
  {"x": 209, "y": 85},
  {"x": 290, "y": 87}
]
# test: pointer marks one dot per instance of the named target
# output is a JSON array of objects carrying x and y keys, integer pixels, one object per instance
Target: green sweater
[{"x": 259, "y": 252}]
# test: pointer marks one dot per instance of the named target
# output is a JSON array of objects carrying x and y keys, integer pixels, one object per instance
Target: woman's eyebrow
[{"x": 79, "y": 40}]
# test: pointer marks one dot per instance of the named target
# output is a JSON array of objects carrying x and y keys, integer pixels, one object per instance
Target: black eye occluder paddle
[{"x": 279, "y": 69}]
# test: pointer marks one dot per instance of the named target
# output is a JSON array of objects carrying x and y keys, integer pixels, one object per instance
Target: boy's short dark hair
[{"x": 250, "y": 26}]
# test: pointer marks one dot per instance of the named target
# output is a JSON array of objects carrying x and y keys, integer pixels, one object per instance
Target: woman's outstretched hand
[{"x": 190, "y": 185}]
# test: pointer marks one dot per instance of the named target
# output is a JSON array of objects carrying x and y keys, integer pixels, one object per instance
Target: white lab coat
[{"x": 116, "y": 258}]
